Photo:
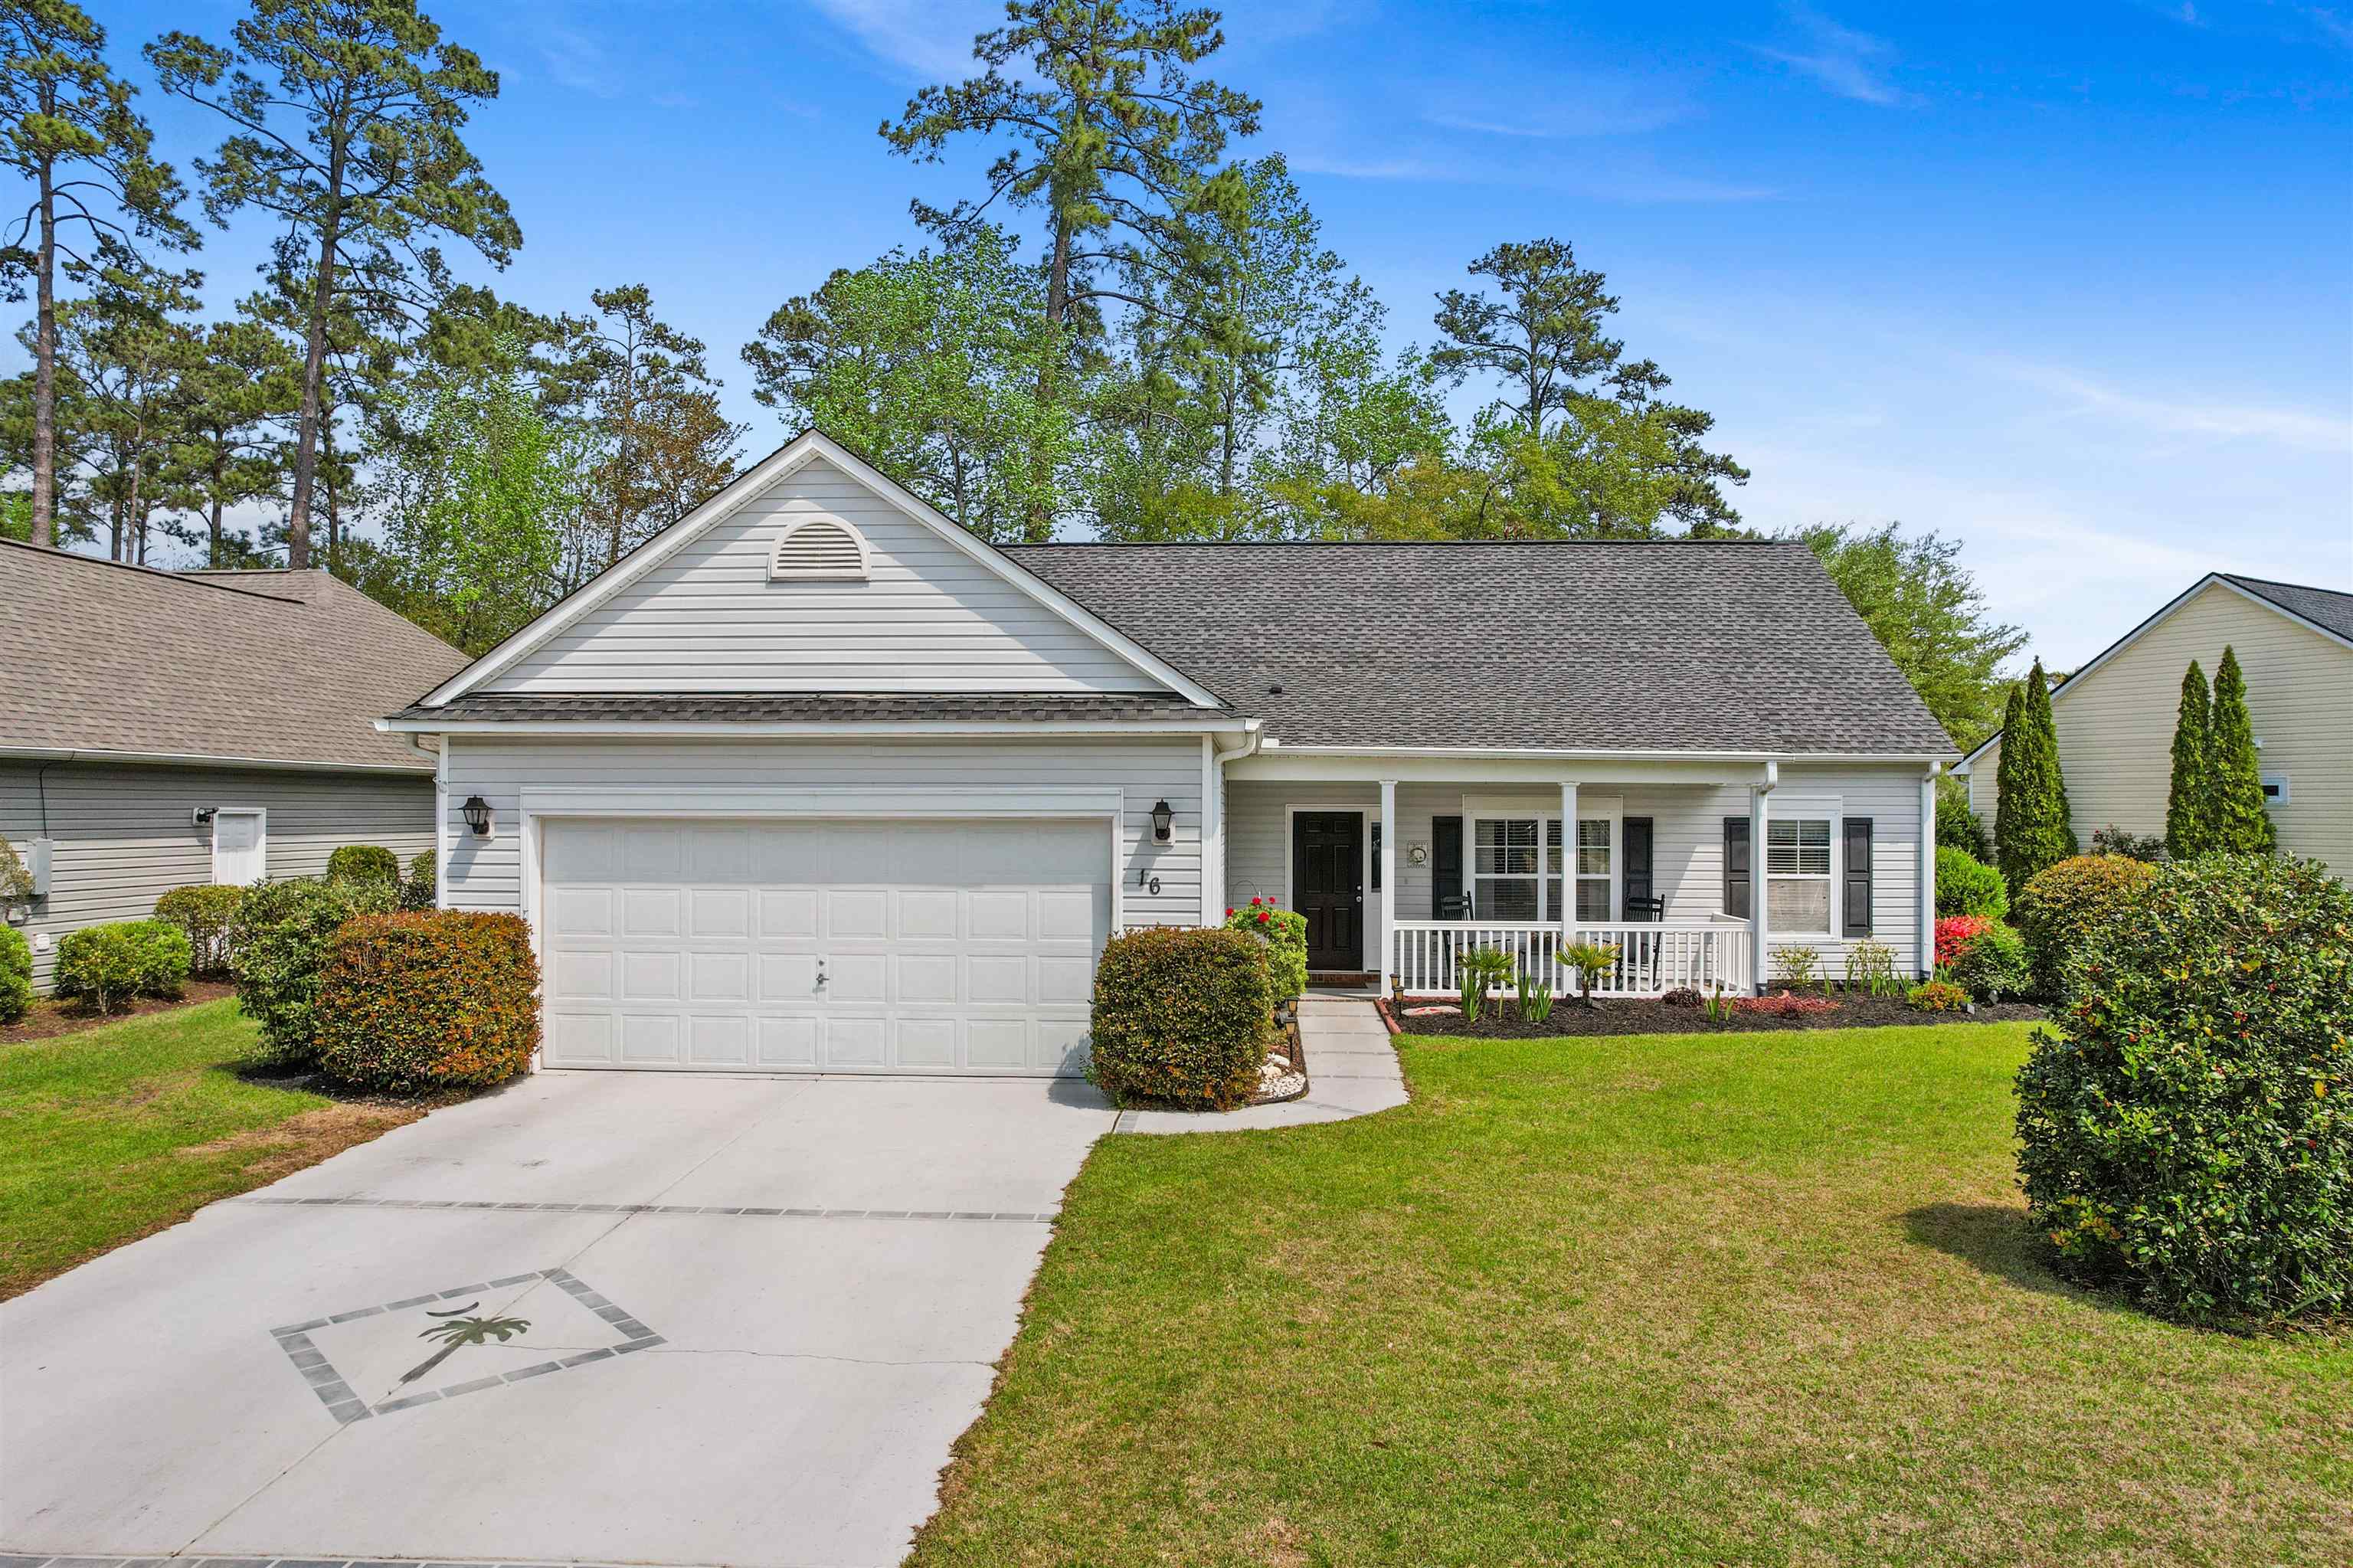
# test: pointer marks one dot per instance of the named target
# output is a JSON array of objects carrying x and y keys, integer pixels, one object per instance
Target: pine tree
[
  {"x": 2241, "y": 823},
  {"x": 2189, "y": 814},
  {"x": 2031, "y": 829}
]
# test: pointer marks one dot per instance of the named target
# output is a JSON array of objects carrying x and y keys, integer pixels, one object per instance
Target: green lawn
[
  {"x": 117, "y": 1131},
  {"x": 1731, "y": 1299}
]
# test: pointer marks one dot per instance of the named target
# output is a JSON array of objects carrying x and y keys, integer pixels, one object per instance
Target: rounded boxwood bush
[
  {"x": 417, "y": 1002},
  {"x": 2188, "y": 1135},
  {"x": 1966, "y": 885},
  {"x": 15, "y": 975},
  {"x": 280, "y": 936},
  {"x": 202, "y": 913},
  {"x": 107, "y": 965},
  {"x": 1182, "y": 1015},
  {"x": 1992, "y": 964},
  {"x": 1285, "y": 932},
  {"x": 418, "y": 889},
  {"x": 2061, "y": 906},
  {"x": 363, "y": 862}
]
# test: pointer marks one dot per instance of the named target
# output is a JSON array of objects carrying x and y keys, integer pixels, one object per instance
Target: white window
[
  {"x": 1506, "y": 886},
  {"x": 1797, "y": 874},
  {"x": 240, "y": 845},
  {"x": 2275, "y": 790}
]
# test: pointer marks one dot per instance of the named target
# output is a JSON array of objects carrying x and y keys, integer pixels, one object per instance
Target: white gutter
[
  {"x": 1015, "y": 728},
  {"x": 196, "y": 759},
  {"x": 1626, "y": 754},
  {"x": 1213, "y": 850}
]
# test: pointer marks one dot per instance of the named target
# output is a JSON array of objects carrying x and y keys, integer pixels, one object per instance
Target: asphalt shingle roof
[
  {"x": 836, "y": 707},
  {"x": 277, "y": 666},
  {"x": 2322, "y": 607},
  {"x": 1570, "y": 645}
]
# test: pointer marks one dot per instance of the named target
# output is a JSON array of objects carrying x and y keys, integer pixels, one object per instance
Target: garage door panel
[{"x": 946, "y": 946}]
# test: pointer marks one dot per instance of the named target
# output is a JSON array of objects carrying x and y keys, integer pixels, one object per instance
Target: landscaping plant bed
[
  {"x": 1502, "y": 1020},
  {"x": 51, "y": 1017}
]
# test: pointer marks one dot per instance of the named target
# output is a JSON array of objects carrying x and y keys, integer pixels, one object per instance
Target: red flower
[
  {"x": 1261, "y": 916},
  {"x": 1230, "y": 911}
]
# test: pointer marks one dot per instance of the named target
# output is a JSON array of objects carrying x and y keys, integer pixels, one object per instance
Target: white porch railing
[{"x": 1652, "y": 959}]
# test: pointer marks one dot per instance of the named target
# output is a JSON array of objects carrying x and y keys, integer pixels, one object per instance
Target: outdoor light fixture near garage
[
  {"x": 476, "y": 812},
  {"x": 1164, "y": 817}
]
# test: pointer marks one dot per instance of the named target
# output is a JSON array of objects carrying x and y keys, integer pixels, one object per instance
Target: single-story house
[
  {"x": 2114, "y": 717},
  {"x": 162, "y": 728},
  {"x": 817, "y": 781}
]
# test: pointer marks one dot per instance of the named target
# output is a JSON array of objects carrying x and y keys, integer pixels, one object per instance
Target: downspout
[
  {"x": 1213, "y": 806},
  {"x": 1758, "y": 835},
  {"x": 1925, "y": 957}
]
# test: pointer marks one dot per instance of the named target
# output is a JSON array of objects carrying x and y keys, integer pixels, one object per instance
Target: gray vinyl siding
[
  {"x": 1687, "y": 847},
  {"x": 122, "y": 835},
  {"x": 485, "y": 872},
  {"x": 929, "y": 619}
]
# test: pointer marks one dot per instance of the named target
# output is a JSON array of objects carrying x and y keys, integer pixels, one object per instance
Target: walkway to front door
[{"x": 1328, "y": 860}]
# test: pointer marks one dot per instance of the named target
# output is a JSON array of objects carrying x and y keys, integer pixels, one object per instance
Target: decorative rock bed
[{"x": 1283, "y": 1075}]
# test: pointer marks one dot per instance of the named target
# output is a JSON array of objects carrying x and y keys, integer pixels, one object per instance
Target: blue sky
[{"x": 2071, "y": 282}]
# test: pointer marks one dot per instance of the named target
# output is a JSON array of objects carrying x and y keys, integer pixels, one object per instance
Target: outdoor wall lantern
[
  {"x": 476, "y": 812},
  {"x": 1164, "y": 817}
]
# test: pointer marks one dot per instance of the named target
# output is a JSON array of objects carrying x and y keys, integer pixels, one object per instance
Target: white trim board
[{"x": 778, "y": 465}]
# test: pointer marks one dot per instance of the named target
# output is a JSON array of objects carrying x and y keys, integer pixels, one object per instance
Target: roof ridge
[{"x": 196, "y": 577}]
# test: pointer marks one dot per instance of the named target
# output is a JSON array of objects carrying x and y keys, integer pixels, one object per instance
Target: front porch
[{"x": 1400, "y": 877}]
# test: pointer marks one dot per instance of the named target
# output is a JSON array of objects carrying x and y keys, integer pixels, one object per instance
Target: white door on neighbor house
[
  {"x": 953, "y": 948},
  {"x": 240, "y": 845}
]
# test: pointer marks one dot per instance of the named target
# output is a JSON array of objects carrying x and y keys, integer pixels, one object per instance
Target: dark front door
[{"x": 1328, "y": 860}]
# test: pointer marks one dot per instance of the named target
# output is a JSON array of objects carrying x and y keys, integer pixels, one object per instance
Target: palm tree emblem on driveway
[{"x": 459, "y": 1331}]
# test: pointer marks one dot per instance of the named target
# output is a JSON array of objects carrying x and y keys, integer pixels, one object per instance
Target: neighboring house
[
  {"x": 815, "y": 780},
  {"x": 2116, "y": 715},
  {"x": 161, "y": 728}
]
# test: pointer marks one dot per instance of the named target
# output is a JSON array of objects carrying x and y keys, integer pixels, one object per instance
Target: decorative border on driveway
[
  {"x": 1023, "y": 1216},
  {"x": 346, "y": 1407}
]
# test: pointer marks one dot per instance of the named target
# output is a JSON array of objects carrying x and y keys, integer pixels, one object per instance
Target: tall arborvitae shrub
[
  {"x": 2242, "y": 825},
  {"x": 2188, "y": 816},
  {"x": 2031, "y": 828}
]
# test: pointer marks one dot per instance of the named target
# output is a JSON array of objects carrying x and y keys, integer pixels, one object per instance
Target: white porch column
[
  {"x": 1925, "y": 959},
  {"x": 1758, "y": 816},
  {"x": 1389, "y": 882},
  {"x": 1568, "y": 910}
]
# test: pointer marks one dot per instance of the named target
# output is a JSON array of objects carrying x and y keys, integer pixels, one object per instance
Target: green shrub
[
  {"x": 1796, "y": 968},
  {"x": 363, "y": 862},
  {"x": 1968, "y": 885},
  {"x": 412, "y": 1003},
  {"x": 1957, "y": 826},
  {"x": 15, "y": 975},
  {"x": 15, "y": 880},
  {"x": 1870, "y": 969},
  {"x": 1937, "y": 996},
  {"x": 419, "y": 889},
  {"x": 1185, "y": 1016},
  {"x": 1481, "y": 969},
  {"x": 2188, "y": 1135},
  {"x": 204, "y": 913},
  {"x": 108, "y": 965},
  {"x": 2061, "y": 905},
  {"x": 2114, "y": 840},
  {"x": 279, "y": 938},
  {"x": 1285, "y": 932},
  {"x": 1994, "y": 964}
]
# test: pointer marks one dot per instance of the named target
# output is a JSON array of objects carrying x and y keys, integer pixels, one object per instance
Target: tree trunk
[
  {"x": 314, "y": 361},
  {"x": 213, "y": 517},
  {"x": 44, "y": 374},
  {"x": 1040, "y": 526}
]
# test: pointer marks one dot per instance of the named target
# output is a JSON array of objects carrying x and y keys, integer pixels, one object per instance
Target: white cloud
[
  {"x": 1621, "y": 182},
  {"x": 1849, "y": 63},
  {"x": 2295, "y": 428},
  {"x": 925, "y": 39},
  {"x": 576, "y": 61}
]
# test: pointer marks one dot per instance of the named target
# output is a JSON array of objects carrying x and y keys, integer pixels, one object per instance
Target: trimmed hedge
[
  {"x": 1992, "y": 964},
  {"x": 15, "y": 975},
  {"x": 1285, "y": 934},
  {"x": 279, "y": 938},
  {"x": 204, "y": 913},
  {"x": 1182, "y": 1015},
  {"x": 2188, "y": 1135},
  {"x": 1966, "y": 885},
  {"x": 2061, "y": 905},
  {"x": 413, "y": 1003},
  {"x": 108, "y": 965},
  {"x": 363, "y": 862}
]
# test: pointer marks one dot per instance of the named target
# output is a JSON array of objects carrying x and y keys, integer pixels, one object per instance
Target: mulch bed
[
  {"x": 1503, "y": 1022},
  {"x": 51, "y": 1018}
]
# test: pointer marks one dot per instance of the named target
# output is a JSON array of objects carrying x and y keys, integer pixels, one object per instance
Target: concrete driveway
[{"x": 759, "y": 1311}]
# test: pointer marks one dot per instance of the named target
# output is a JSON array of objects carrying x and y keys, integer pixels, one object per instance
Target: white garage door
[{"x": 807, "y": 946}]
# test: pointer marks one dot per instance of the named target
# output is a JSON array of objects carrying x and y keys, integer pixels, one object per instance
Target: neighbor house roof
[
  {"x": 1555, "y": 645},
  {"x": 269, "y": 666},
  {"x": 2325, "y": 608}
]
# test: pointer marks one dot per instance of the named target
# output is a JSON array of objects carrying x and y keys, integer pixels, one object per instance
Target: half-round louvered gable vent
[{"x": 820, "y": 549}]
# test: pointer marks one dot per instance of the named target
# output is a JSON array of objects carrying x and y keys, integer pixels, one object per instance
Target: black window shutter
[
  {"x": 1736, "y": 867},
  {"x": 1446, "y": 868},
  {"x": 1856, "y": 892},
  {"x": 1634, "y": 834}
]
